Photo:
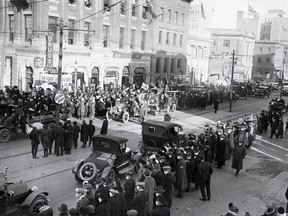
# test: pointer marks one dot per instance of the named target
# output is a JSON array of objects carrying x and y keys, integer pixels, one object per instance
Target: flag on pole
[
  {"x": 252, "y": 11},
  {"x": 151, "y": 10},
  {"x": 202, "y": 11}
]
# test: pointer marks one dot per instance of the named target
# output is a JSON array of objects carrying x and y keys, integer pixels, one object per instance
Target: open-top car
[
  {"x": 156, "y": 134},
  {"x": 119, "y": 111},
  {"x": 14, "y": 196},
  {"x": 262, "y": 91},
  {"x": 110, "y": 156}
]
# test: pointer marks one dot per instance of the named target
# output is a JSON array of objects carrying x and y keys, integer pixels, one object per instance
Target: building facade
[
  {"x": 268, "y": 60},
  {"x": 169, "y": 39},
  {"x": 111, "y": 46},
  {"x": 198, "y": 45},
  {"x": 224, "y": 41},
  {"x": 248, "y": 24}
]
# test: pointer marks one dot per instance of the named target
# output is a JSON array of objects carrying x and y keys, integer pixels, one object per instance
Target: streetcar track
[{"x": 20, "y": 154}]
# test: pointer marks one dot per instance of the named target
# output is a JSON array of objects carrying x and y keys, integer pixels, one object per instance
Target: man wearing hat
[
  {"x": 82, "y": 199},
  {"x": 160, "y": 209},
  {"x": 129, "y": 188},
  {"x": 150, "y": 186},
  {"x": 63, "y": 209},
  {"x": 204, "y": 175},
  {"x": 68, "y": 140},
  {"x": 103, "y": 207},
  {"x": 140, "y": 200},
  {"x": 171, "y": 160},
  {"x": 190, "y": 168},
  {"x": 232, "y": 211},
  {"x": 220, "y": 154},
  {"x": 181, "y": 177},
  {"x": 117, "y": 201},
  {"x": 169, "y": 180},
  {"x": 158, "y": 174},
  {"x": 88, "y": 188},
  {"x": 76, "y": 129},
  {"x": 84, "y": 133},
  {"x": 238, "y": 154}
]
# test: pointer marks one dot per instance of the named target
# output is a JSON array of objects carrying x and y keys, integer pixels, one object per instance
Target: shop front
[
  {"x": 111, "y": 78},
  {"x": 139, "y": 76},
  {"x": 126, "y": 76},
  {"x": 95, "y": 77}
]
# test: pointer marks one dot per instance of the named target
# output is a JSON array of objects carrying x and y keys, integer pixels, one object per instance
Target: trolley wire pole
[
  {"x": 282, "y": 76},
  {"x": 231, "y": 89}
]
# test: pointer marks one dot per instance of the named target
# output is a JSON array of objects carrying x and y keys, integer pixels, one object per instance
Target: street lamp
[
  {"x": 75, "y": 80},
  {"x": 282, "y": 77}
]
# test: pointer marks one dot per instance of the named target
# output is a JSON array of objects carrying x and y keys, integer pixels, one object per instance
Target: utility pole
[
  {"x": 282, "y": 77},
  {"x": 58, "y": 106},
  {"x": 231, "y": 89}
]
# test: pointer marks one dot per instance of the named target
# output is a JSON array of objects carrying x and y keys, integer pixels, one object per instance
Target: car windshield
[{"x": 105, "y": 146}]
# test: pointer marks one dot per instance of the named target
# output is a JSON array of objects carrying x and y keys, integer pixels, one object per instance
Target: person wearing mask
[
  {"x": 59, "y": 139},
  {"x": 140, "y": 200},
  {"x": 118, "y": 204},
  {"x": 129, "y": 188},
  {"x": 160, "y": 209},
  {"x": 75, "y": 134},
  {"x": 34, "y": 136},
  {"x": 150, "y": 186},
  {"x": 168, "y": 182},
  {"x": 204, "y": 174},
  {"x": 181, "y": 176},
  {"x": 84, "y": 134},
  {"x": 45, "y": 139},
  {"x": 91, "y": 131}
]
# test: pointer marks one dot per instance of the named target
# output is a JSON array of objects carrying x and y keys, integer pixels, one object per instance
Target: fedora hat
[{"x": 63, "y": 208}]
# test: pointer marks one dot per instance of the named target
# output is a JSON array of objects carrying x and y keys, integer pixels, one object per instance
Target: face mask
[
  {"x": 127, "y": 177},
  {"x": 166, "y": 172},
  {"x": 188, "y": 158},
  {"x": 77, "y": 195},
  {"x": 111, "y": 194},
  {"x": 138, "y": 188},
  {"x": 100, "y": 199},
  {"x": 170, "y": 156},
  {"x": 179, "y": 158},
  {"x": 158, "y": 203}
]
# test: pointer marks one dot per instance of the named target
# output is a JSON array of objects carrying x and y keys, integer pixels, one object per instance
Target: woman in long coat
[
  {"x": 181, "y": 176},
  {"x": 238, "y": 155}
]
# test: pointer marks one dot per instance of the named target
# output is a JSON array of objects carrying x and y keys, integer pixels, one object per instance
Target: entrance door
[
  {"x": 138, "y": 77},
  {"x": 95, "y": 77},
  {"x": 125, "y": 76},
  {"x": 29, "y": 78}
]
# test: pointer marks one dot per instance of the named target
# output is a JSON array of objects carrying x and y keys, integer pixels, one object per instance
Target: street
[{"x": 263, "y": 180}]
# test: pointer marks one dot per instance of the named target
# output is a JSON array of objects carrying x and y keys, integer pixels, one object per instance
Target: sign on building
[{"x": 49, "y": 52}]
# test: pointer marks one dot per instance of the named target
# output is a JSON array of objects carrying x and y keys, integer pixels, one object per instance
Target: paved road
[{"x": 263, "y": 181}]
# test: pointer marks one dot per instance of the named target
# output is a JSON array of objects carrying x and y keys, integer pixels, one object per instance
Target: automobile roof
[
  {"x": 161, "y": 123},
  {"x": 118, "y": 140}
]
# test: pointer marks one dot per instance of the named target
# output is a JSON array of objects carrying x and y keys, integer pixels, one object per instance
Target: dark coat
[
  {"x": 45, "y": 137},
  {"x": 129, "y": 188},
  {"x": 208, "y": 156},
  {"x": 35, "y": 137},
  {"x": 76, "y": 131},
  {"x": 204, "y": 171},
  {"x": 118, "y": 205},
  {"x": 91, "y": 129},
  {"x": 84, "y": 133},
  {"x": 158, "y": 177},
  {"x": 104, "y": 128},
  {"x": 220, "y": 153},
  {"x": 82, "y": 203},
  {"x": 59, "y": 135},
  {"x": 139, "y": 202},
  {"x": 101, "y": 190},
  {"x": 68, "y": 141},
  {"x": 104, "y": 209},
  {"x": 216, "y": 105},
  {"x": 181, "y": 176},
  {"x": 239, "y": 154},
  {"x": 280, "y": 128},
  {"x": 160, "y": 211}
]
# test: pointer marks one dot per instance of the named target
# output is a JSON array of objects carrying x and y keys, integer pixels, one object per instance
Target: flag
[
  {"x": 150, "y": 10},
  {"x": 284, "y": 29},
  {"x": 202, "y": 11},
  {"x": 252, "y": 11}
]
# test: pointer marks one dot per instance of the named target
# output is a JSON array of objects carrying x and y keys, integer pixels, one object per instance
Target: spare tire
[
  {"x": 87, "y": 171},
  {"x": 125, "y": 117}
]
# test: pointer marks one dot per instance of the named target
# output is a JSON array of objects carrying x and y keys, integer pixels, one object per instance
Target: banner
[
  {"x": 252, "y": 12},
  {"x": 49, "y": 52}
]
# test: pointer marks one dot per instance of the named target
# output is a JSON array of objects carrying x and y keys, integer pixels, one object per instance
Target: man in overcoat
[
  {"x": 104, "y": 206},
  {"x": 68, "y": 141},
  {"x": 91, "y": 131},
  {"x": 140, "y": 201},
  {"x": 118, "y": 204},
  {"x": 181, "y": 177},
  {"x": 160, "y": 209},
  {"x": 104, "y": 127},
  {"x": 59, "y": 139},
  {"x": 129, "y": 188},
  {"x": 204, "y": 174},
  {"x": 150, "y": 186},
  {"x": 168, "y": 181},
  {"x": 75, "y": 134},
  {"x": 35, "y": 141},
  {"x": 239, "y": 153},
  {"x": 45, "y": 139},
  {"x": 84, "y": 134}
]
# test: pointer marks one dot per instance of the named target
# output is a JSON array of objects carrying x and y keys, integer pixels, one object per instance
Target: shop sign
[
  {"x": 53, "y": 78},
  {"x": 38, "y": 62},
  {"x": 136, "y": 56},
  {"x": 59, "y": 97},
  {"x": 49, "y": 52}
]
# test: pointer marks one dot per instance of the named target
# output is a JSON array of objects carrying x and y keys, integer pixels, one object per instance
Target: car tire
[
  {"x": 87, "y": 165},
  {"x": 38, "y": 203},
  {"x": 109, "y": 116},
  {"x": 145, "y": 111},
  {"x": 77, "y": 178},
  {"x": 174, "y": 108},
  {"x": 4, "y": 135},
  {"x": 125, "y": 117},
  {"x": 109, "y": 179}
]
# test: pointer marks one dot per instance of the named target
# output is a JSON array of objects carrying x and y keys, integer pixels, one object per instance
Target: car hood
[{"x": 101, "y": 160}]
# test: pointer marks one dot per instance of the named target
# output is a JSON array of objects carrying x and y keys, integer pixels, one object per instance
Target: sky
[{"x": 225, "y": 11}]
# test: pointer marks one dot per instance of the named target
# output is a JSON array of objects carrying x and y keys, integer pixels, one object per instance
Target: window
[
  {"x": 160, "y": 37},
  {"x": 28, "y": 27},
  {"x": 169, "y": 15},
  {"x": 179, "y": 63},
  {"x": 121, "y": 38},
  {"x": 88, "y": 3},
  {"x": 182, "y": 19},
  {"x": 167, "y": 37},
  {"x": 71, "y": 32},
  {"x": 260, "y": 49},
  {"x": 165, "y": 70},
  {"x": 143, "y": 40},
  {"x": 105, "y": 35},
  {"x": 174, "y": 39},
  {"x": 172, "y": 65},
  {"x": 52, "y": 26},
  {"x": 162, "y": 13},
  {"x": 268, "y": 59},
  {"x": 122, "y": 8},
  {"x": 226, "y": 43},
  {"x": 181, "y": 40},
  {"x": 144, "y": 12},
  {"x": 87, "y": 34},
  {"x": 11, "y": 27},
  {"x": 106, "y": 5},
  {"x": 176, "y": 17},
  {"x": 259, "y": 59},
  {"x": 72, "y": 1},
  {"x": 133, "y": 11},
  {"x": 158, "y": 65},
  {"x": 132, "y": 44}
]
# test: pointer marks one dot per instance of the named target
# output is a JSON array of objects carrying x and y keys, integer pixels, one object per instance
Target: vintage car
[
  {"x": 156, "y": 134},
  {"x": 262, "y": 91},
  {"x": 239, "y": 91},
  {"x": 285, "y": 89},
  {"x": 110, "y": 156},
  {"x": 153, "y": 101},
  {"x": 14, "y": 196},
  {"x": 119, "y": 111}
]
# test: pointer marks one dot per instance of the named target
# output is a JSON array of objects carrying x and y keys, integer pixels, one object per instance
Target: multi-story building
[
  {"x": 268, "y": 60},
  {"x": 105, "y": 41},
  {"x": 224, "y": 41},
  {"x": 198, "y": 45},
  {"x": 169, "y": 39},
  {"x": 274, "y": 27},
  {"x": 248, "y": 24}
]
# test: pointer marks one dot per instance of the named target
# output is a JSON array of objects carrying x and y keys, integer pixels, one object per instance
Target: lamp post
[
  {"x": 75, "y": 80},
  {"x": 282, "y": 77}
]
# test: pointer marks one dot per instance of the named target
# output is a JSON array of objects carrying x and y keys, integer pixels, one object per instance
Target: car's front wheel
[
  {"x": 110, "y": 177},
  {"x": 4, "y": 135},
  {"x": 87, "y": 171},
  {"x": 37, "y": 203}
]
